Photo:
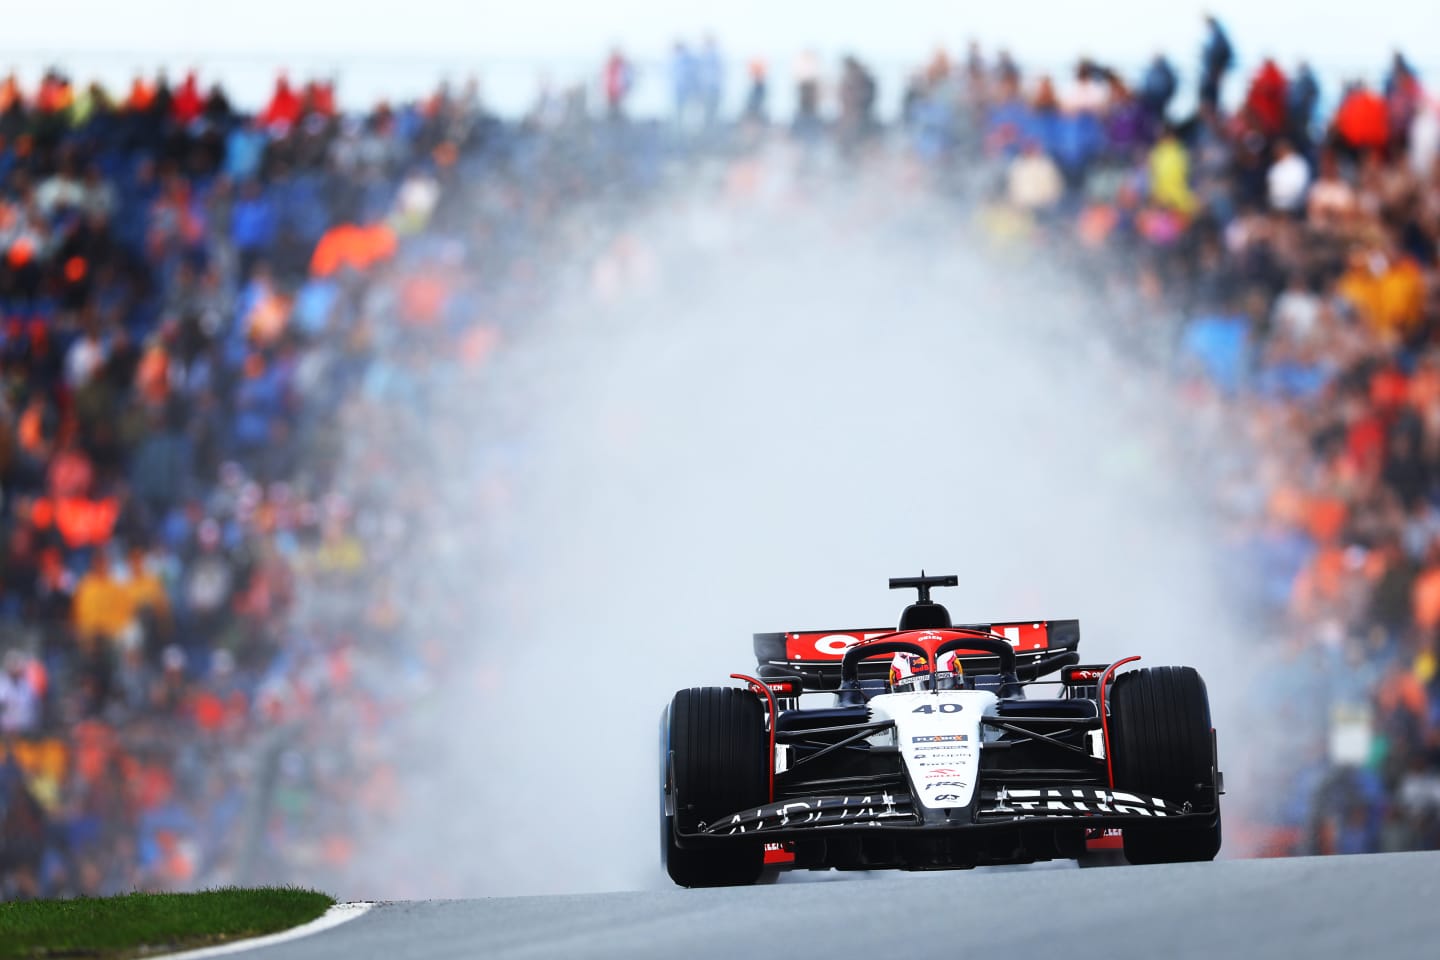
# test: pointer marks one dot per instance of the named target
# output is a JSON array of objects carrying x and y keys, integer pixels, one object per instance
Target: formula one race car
[{"x": 934, "y": 757}]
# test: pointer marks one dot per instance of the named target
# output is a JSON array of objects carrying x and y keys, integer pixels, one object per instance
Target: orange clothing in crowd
[
  {"x": 81, "y": 521},
  {"x": 209, "y": 710},
  {"x": 141, "y": 96},
  {"x": 10, "y": 94},
  {"x": 94, "y": 744},
  {"x": 1389, "y": 302},
  {"x": 1402, "y": 295},
  {"x": 1364, "y": 120},
  {"x": 177, "y": 859},
  {"x": 1287, "y": 504},
  {"x": 353, "y": 246},
  {"x": 1321, "y": 580},
  {"x": 31, "y": 430},
  {"x": 1401, "y": 690},
  {"x": 1425, "y": 597},
  {"x": 1325, "y": 518},
  {"x": 102, "y": 606},
  {"x": 152, "y": 785},
  {"x": 152, "y": 376},
  {"x": 1389, "y": 389},
  {"x": 55, "y": 96},
  {"x": 266, "y": 321},
  {"x": 1423, "y": 387}
]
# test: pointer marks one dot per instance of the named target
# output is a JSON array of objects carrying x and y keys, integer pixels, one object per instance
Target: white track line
[{"x": 336, "y": 915}]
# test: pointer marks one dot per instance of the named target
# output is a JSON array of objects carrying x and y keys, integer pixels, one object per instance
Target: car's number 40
[{"x": 938, "y": 708}]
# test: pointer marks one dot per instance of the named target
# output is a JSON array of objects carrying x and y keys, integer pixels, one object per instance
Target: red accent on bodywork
[
  {"x": 811, "y": 645},
  {"x": 778, "y": 853},
  {"x": 931, "y": 640},
  {"x": 1112, "y": 839},
  {"x": 760, "y": 688},
  {"x": 826, "y": 644},
  {"x": 1105, "y": 717}
]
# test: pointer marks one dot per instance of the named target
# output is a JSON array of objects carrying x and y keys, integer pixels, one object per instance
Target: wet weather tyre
[
  {"x": 718, "y": 762},
  {"x": 1160, "y": 736}
]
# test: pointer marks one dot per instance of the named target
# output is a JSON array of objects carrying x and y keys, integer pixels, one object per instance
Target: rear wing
[{"x": 815, "y": 655}]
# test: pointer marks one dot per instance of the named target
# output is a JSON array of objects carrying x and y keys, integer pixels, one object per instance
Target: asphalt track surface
[{"x": 1384, "y": 905}]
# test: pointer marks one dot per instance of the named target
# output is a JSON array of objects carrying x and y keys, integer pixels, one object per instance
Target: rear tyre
[
  {"x": 718, "y": 762},
  {"x": 1160, "y": 737}
]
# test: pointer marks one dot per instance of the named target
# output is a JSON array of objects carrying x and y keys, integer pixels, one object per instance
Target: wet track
[{"x": 1317, "y": 908}]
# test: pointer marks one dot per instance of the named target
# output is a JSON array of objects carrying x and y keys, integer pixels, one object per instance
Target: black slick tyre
[
  {"x": 1160, "y": 738},
  {"x": 717, "y": 763}
]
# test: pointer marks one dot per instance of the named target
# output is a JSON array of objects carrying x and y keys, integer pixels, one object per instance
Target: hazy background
[
  {"x": 793, "y": 393},
  {"x": 746, "y": 412}
]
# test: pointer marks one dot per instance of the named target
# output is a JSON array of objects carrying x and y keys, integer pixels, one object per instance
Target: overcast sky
[{"x": 363, "y": 39}]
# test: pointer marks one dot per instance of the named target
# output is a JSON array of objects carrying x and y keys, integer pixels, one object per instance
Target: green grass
[{"x": 138, "y": 924}]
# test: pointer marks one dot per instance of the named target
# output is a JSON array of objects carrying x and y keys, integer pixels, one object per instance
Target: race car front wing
[{"x": 1088, "y": 806}]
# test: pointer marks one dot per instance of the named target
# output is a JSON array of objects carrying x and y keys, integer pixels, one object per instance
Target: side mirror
[{"x": 782, "y": 682}]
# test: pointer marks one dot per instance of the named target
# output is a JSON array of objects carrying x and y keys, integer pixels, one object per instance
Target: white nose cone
[{"x": 938, "y": 733}]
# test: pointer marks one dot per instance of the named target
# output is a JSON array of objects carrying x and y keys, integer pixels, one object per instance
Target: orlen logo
[
  {"x": 829, "y": 645},
  {"x": 835, "y": 644}
]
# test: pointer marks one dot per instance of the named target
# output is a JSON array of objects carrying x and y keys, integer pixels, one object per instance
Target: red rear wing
[{"x": 815, "y": 655}]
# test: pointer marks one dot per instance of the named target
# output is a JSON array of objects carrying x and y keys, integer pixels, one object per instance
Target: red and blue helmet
[{"x": 911, "y": 671}]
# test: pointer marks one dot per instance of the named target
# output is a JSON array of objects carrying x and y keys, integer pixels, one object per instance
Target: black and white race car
[{"x": 931, "y": 755}]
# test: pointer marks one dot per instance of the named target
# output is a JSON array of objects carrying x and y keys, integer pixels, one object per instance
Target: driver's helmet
[
  {"x": 911, "y": 671},
  {"x": 949, "y": 671},
  {"x": 908, "y": 671}
]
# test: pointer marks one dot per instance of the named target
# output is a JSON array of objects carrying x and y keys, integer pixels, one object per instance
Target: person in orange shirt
[
  {"x": 1325, "y": 517},
  {"x": 142, "y": 95},
  {"x": 1425, "y": 594},
  {"x": 10, "y": 93},
  {"x": 35, "y": 430}
]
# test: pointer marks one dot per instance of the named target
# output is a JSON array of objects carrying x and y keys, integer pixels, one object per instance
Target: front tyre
[
  {"x": 716, "y": 761},
  {"x": 1161, "y": 739}
]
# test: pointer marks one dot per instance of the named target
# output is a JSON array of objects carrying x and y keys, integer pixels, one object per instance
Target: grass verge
[{"x": 140, "y": 924}]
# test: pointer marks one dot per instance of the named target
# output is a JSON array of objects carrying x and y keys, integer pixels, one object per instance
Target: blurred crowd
[
  {"x": 199, "y": 310},
  {"x": 218, "y": 327},
  {"x": 1282, "y": 263}
]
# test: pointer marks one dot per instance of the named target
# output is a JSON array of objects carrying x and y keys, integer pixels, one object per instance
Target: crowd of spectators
[
  {"x": 1283, "y": 264},
  {"x": 194, "y": 303},
  {"x": 200, "y": 306}
]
